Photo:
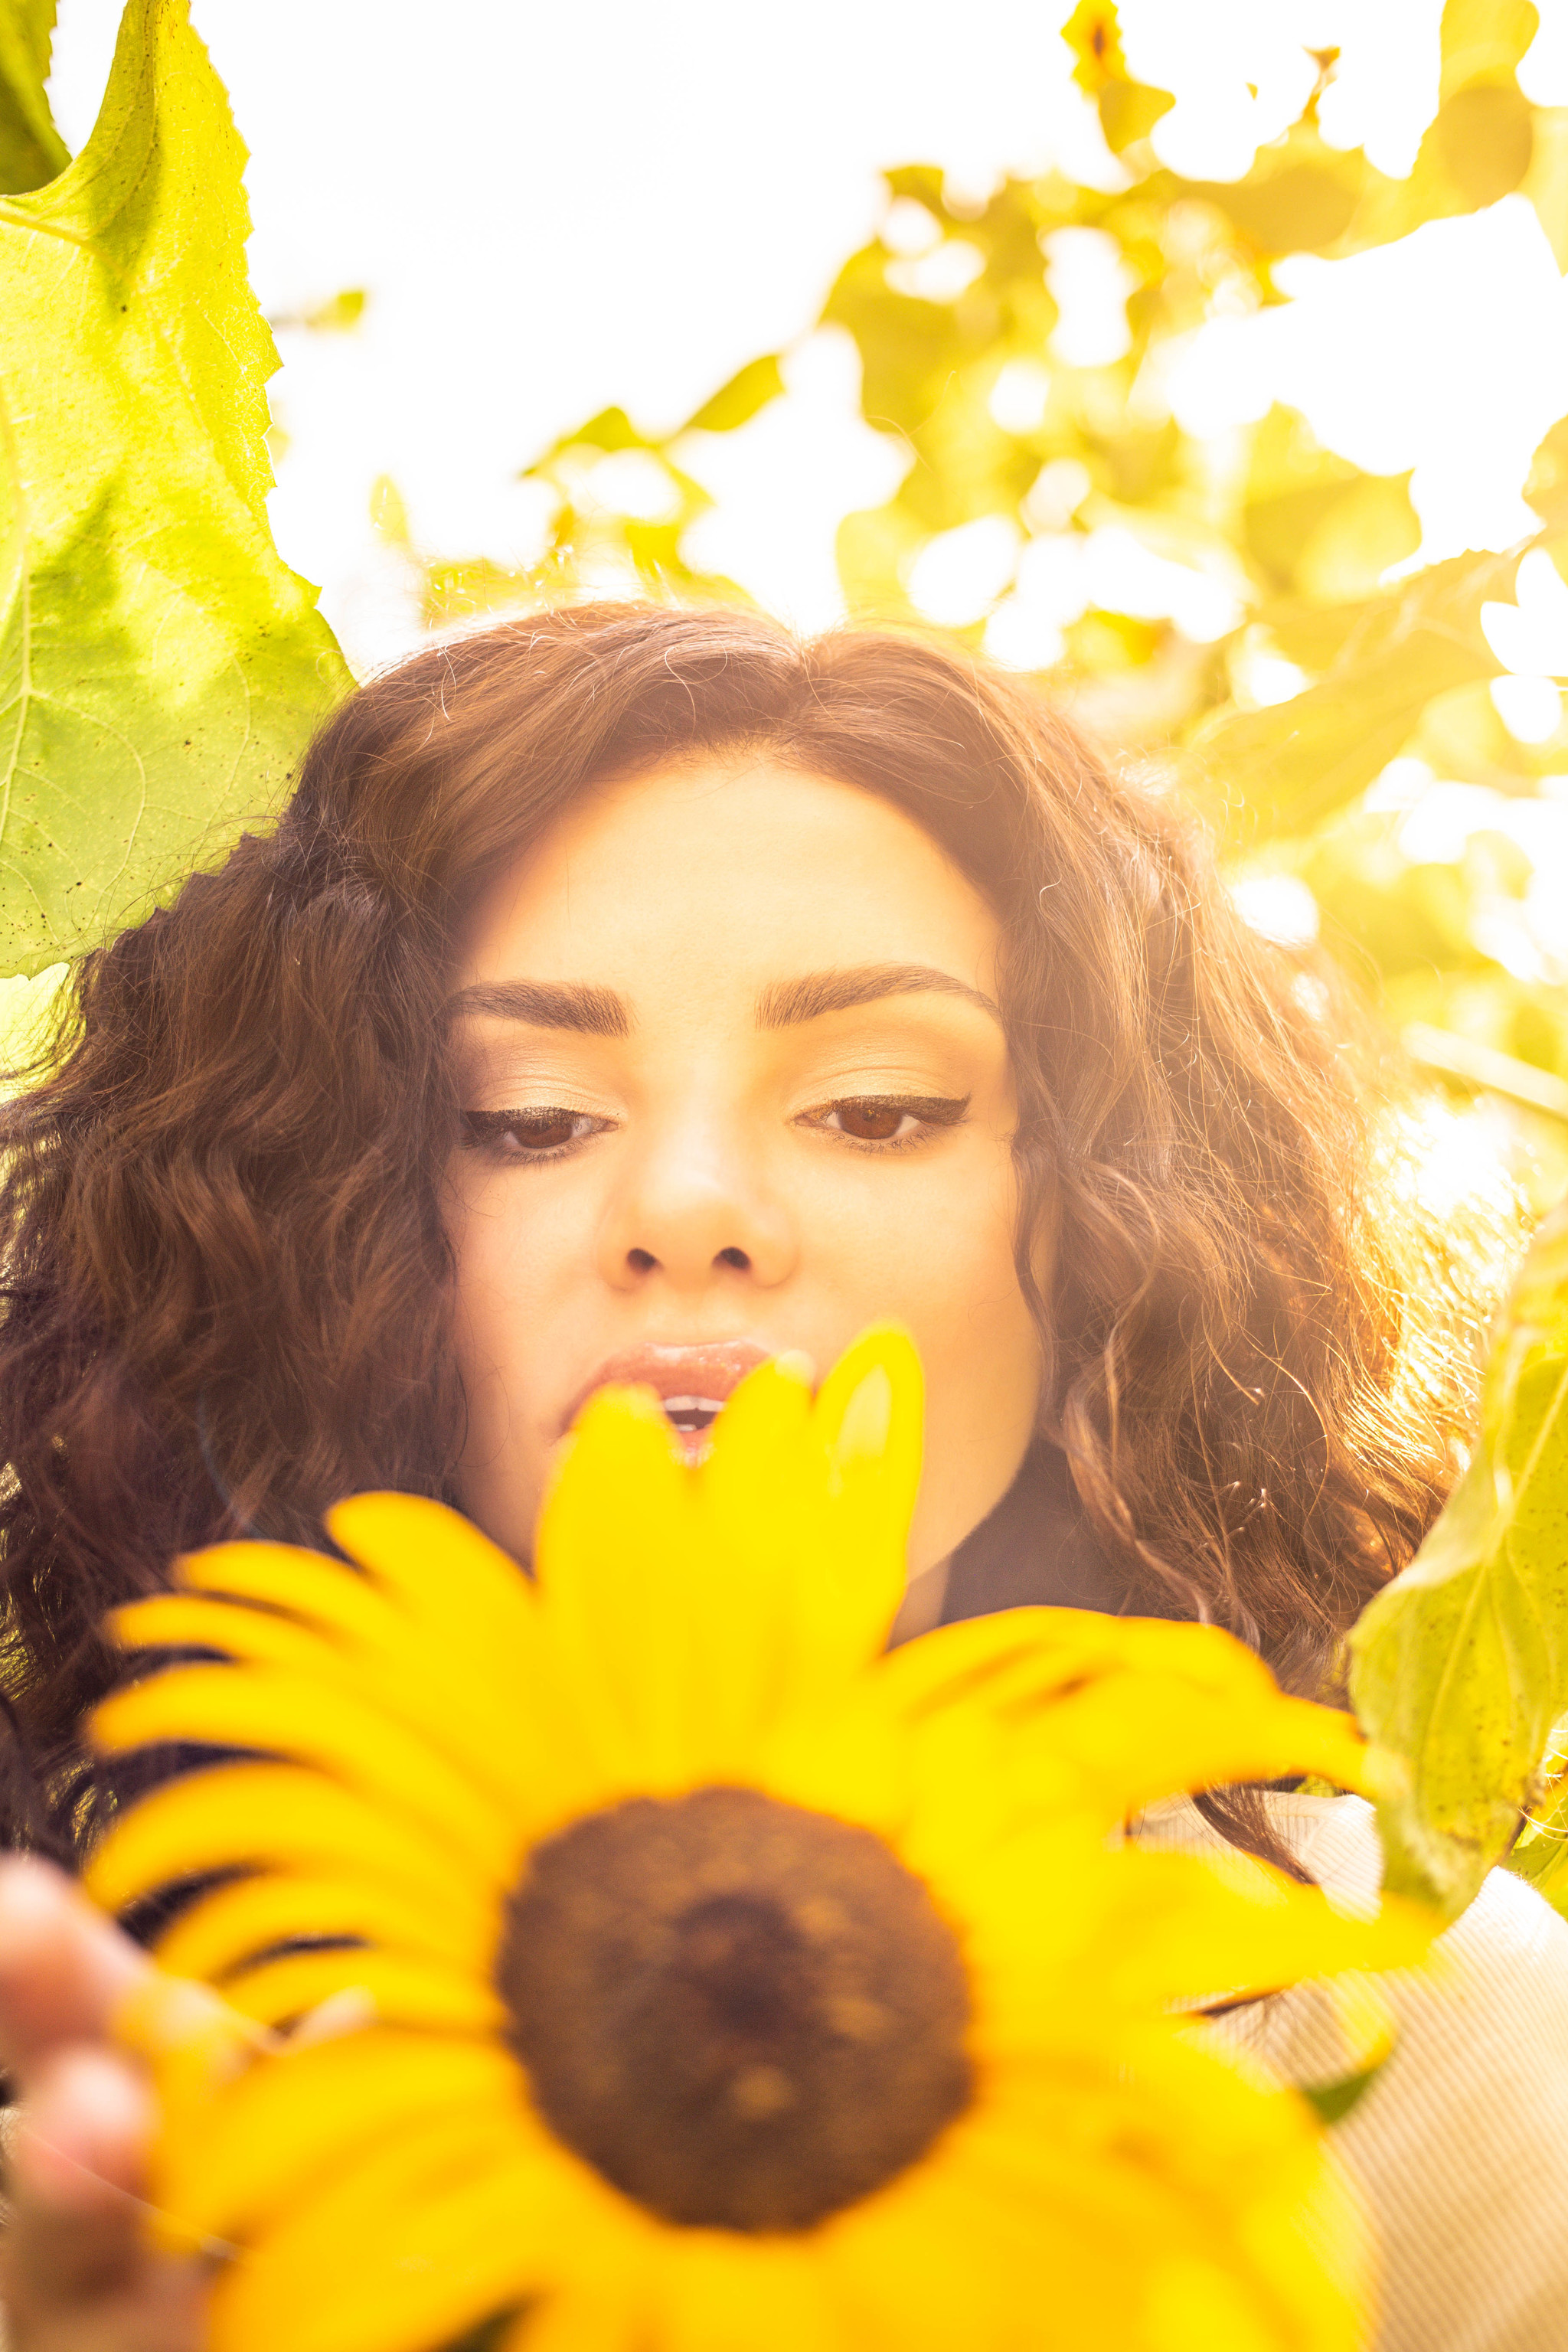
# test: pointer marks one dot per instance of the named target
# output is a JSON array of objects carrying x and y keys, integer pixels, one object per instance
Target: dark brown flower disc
[{"x": 744, "y": 2014}]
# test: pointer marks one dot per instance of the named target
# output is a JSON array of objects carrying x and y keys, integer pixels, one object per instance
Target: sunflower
[{"x": 641, "y": 1959}]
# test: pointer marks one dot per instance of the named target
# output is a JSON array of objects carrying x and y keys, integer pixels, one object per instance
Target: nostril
[
  {"x": 736, "y": 1257},
  {"x": 640, "y": 1261}
]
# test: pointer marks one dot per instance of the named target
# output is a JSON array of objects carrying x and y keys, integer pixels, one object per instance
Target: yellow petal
[
  {"x": 937, "y": 2261},
  {"x": 1050, "y": 1647},
  {"x": 720, "y": 2291},
  {"x": 179, "y": 1621},
  {"x": 613, "y": 1541},
  {"x": 276, "y": 1710},
  {"x": 413, "y": 2248},
  {"x": 1137, "y": 1708},
  {"x": 397, "y": 1990},
  {"x": 260, "y": 2151},
  {"x": 1192, "y": 2305},
  {"x": 304, "y": 1584},
  {"x": 870, "y": 1418},
  {"x": 1145, "y": 1737},
  {"x": 1157, "y": 1929},
  {"x": 582, "y": 2318},
  {"x": 230, "y": 1924},
  {"x": 448, "y": 1577},
  {"x": 238, "y": 1815},
  {"x": 473, "y": 1711},
  {"x": 757, "y": 1522}
]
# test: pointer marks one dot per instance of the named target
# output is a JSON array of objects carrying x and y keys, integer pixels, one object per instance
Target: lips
[{"x": 693, "y": 1384}]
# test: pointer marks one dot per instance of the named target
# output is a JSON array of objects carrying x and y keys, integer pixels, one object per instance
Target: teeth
[{"x": 692, "y": 1412}]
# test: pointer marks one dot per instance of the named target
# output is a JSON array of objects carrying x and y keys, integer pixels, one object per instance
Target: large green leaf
[
  {"x": 1289, "y": 765},
  {"x": 161, "y": 668},
  {"x": 31, "y": 149},
  {"x": 1460, "y": 1667},
  {"x": 1542, "y": 1853}
]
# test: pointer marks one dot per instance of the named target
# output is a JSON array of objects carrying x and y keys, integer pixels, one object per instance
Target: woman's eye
[
  {"x": 889, "y": 1118},
  {"x": 530, "y": 1134},
  {"x": 872, "y": 1122}
]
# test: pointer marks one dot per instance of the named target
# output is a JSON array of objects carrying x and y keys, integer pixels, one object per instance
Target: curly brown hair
[{"x": 228, "y": 1286}]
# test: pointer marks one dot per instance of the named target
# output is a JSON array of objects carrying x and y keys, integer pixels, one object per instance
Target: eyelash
[
  {"x": 929, "y": 1112},
  {"x": 491, "y": 1130}
]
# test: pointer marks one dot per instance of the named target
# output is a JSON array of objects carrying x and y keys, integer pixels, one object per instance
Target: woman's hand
[{"x": 75, "y": 2273}]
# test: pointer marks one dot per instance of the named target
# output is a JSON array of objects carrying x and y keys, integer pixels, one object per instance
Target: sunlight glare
[
  {"x": 1279, "y": 907},
  {"x": 959, "y": 574},
  {"x": 1530, "y": 635},
  {"x": 1089, "y": 283}
]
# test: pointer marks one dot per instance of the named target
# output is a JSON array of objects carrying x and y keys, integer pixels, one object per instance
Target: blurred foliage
[
  {"x": 621, "y": 504},
  {"x": 339, "y": 315},
  {"x": 1245, "y": 615},
  {"x": 1222, "y": 608}
]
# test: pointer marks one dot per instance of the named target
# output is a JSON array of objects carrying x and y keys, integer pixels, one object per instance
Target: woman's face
[{"x": 735, "y": 1084}]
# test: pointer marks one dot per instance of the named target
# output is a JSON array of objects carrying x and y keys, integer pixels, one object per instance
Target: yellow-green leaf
[
  {"x": 1094, "y": 36},
  {"x": 1483, "y": 40},
  {"x": 737, "y": 402},
  {"x": 1542, "y": 1853},
  {"x": 31, "y": 149},
  {"x": 1289, "y": 765},
  {"x": 1460, "y": 1667},
  {"x": 161, "y": 668}
]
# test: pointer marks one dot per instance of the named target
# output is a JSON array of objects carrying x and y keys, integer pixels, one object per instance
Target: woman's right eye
[{"x": 540, "y": 1133}]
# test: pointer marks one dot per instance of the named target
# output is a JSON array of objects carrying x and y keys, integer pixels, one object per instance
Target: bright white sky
[{"x": 554, "y": 208}]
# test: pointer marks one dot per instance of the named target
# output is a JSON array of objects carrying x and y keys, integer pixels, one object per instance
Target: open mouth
[
  {"x": 692, "y": 1414},
  {"x": 693, "y": 1383}
]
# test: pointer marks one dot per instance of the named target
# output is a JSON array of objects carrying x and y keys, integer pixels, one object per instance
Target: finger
[
  {"x": 77, "y": 2174},
  {"x": 63, "y": 1968}
]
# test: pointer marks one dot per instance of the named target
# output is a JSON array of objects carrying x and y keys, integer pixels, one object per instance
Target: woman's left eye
[
  {"x": 888, "y": 1118},
  {"x": 542, "y": 1132}
]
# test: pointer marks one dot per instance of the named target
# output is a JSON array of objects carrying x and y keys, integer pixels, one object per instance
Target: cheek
[
  {"x": 507, "y": 1268},
  {"x": 936, "y": 1251}
]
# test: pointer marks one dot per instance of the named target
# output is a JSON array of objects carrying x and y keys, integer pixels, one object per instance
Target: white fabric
[{"x": 1459, "y": 2151}]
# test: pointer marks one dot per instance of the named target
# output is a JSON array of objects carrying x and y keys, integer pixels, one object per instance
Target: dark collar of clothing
[{"x": 1037, "y": 1549}]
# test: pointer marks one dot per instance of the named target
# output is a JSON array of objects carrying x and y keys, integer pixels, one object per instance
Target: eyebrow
[
  {"x": 783, "y": 1005},
  {"x": 549, "y": 1005}
]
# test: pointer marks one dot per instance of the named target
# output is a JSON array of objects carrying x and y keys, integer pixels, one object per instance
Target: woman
[{"x": 630, "y": 993}]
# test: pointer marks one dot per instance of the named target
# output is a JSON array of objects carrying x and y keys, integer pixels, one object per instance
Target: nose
[{"x": 693, "y": 1208}]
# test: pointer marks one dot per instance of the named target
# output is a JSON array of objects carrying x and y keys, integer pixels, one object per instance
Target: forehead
[{"x": 739, "y": 865}]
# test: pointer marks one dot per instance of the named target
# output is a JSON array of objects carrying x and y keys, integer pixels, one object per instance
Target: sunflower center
[{"x": 744, "y": 2014}]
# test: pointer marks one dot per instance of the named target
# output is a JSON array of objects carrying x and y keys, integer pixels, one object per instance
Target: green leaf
[
  {"x": 1361, "y": 535},
  {"x": 1333, "y": 2100},
  {"x": 1484, "y": 137},
  {"x": 31, "y": 149},
  {"x": 339, "y": 315},
  {"x": 737, "y": 402},
  {"x": 1290, "y": 764},
  {"x": 1483, "y": 40},
  {"x": 1094, "y": 36},
  {"x": 1300, "y": 206},
  {"x": 611, "y": 429},
  {"x": 1460, "y": 1666},
  {"x": 1540, "y": 1855},
  {"x": 161, "y": 668},
  {"x": 1129, "y": 111}
]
